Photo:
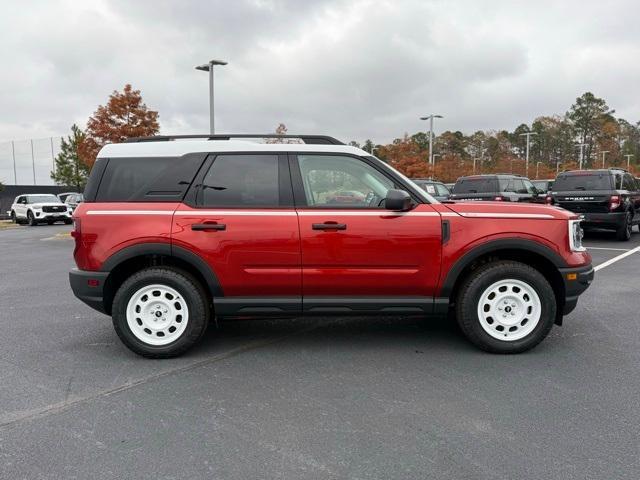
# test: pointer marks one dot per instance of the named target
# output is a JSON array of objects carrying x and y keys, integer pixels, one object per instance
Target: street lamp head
[
  {"x": 207, "y": 66},
  {"x": 431, "y": 116}
]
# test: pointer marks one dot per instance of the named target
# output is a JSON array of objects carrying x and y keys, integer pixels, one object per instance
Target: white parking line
[
  {"x": 615, "y": 259},
  {"x": 606, "y": 248}
]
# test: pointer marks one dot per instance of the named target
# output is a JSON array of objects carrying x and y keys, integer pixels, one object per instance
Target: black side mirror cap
[{"x": 397, "y": 200}]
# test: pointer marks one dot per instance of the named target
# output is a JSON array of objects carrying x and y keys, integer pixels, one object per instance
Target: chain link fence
[{"x": 28, "y": 162}]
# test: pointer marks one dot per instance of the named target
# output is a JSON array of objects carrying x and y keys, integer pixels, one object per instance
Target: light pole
[
  {"x": 604, "y": 152},
  {"x": 208, "y": 67},
  {"x": 434, "y": 164},
  {"x": 526, "y": 165},
  {"x": 430, "y": 118},
  {"x": 581, "y": 145},
  {"x": 537, "y": 169},
  {"x": 629, "y": 155},
  {"x": 13, "y": 154},
  {"x": 558, "y": 167}
]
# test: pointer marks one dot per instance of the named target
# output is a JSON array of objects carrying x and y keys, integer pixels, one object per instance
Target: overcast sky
[{"x": 354, "y": 69}]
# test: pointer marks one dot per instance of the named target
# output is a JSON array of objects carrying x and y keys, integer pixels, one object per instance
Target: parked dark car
[
  {"x": 497, "y": 187},
  {"x": 73, "y": 200},
  {"x": 543, "y": 186},
  {"x": 607, "y": 198},
  {"x": 433, "y": 188}
]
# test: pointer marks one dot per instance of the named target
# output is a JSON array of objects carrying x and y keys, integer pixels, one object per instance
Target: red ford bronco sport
[{"x": 175, "y": 230}]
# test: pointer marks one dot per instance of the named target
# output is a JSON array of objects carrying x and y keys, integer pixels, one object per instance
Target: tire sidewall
[
  {"x": 181, "y": 282},
  {"x": 468, "y": 313}
]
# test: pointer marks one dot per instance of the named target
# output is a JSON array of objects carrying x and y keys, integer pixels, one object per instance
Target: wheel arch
[
  {"x": 136, "y": 257},
  {"x": 528, "y": 252}
]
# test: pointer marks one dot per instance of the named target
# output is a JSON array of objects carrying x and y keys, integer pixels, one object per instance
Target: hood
[
  {"x": 509, "y": 210},
  {"x": 47, "y": 204}
]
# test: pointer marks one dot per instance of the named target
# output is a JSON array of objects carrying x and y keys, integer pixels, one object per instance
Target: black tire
[
  {"x": 68, "y": 222},
  {"x": 14, "y": 219},
  {"x": 50, "y": 222},
  {"x": 624, "y": 232},
  {"x": 31, "y": 219},
  {"x": 480, "y": 280},
  {"x": 192, "y": 292}
]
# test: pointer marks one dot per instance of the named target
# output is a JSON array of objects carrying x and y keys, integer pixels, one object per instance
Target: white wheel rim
[
  {"x": 157, "y": 315},
  {"x": 509, "y": 310}
]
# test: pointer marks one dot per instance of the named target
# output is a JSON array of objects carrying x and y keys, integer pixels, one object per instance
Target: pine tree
[{"x": 70, "y": 170}]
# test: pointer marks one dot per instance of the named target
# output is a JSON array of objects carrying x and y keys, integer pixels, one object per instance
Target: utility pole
[
  {"x": 430, "y": 118},
  {"x": 604, "y": 152},
  {"x": 526, "y": 165},
  {"x": 53, "y": 159},
  {"x": 208, "y": 67},
  {"x": 537, "y": 169},
  {"x": 13, "y": 154},
  {"x": 33, "y": 163},
  {"x": 558, "y": 167},
  {"x": 629, "y": 155},
  {"x": 581, "y": 145}
]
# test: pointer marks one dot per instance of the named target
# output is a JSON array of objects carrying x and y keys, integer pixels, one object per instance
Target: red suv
[{"x": 174, "y": 232}]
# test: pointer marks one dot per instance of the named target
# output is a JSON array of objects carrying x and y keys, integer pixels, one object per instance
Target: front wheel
[
  {"x": 14, "y": 219},
  {"x": 31, "y": 220},
  {"x": 506, "y": 307},
  {"x": 160, "y": 312}
]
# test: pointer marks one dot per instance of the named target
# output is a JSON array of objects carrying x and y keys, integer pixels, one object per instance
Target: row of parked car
[
  {"x": 606, "y": 198},
  {"x": 38, "y": 208}
]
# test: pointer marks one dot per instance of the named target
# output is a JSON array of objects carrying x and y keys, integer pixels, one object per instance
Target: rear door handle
[
  {"x": 329, "y": 226},
  {"x": 201, "y": 227}
]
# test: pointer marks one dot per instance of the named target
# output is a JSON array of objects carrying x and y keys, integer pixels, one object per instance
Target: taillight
[
  {"x": 614, "y": 202},
  {"x": 77, "y": 229},
  {"x": 498, "y": 199},
  {"x": 549, "y": 199}
]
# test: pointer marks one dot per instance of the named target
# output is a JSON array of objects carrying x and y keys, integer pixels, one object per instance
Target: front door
[
  {"x": 356, "y": 255},
  {"x": 239, "y": 217}
]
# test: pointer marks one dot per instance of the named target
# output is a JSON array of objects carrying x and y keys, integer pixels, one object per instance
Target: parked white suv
[{"x": 39, "y": 208}]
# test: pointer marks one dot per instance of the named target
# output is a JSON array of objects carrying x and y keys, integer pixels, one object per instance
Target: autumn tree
[
  {"x": 124, "y": 116},
  {"x": 70, "y": 170},
  {"x": 587, "y": 115}
]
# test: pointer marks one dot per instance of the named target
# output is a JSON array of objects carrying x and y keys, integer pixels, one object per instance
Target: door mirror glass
[{"x": 397, "y": 200}]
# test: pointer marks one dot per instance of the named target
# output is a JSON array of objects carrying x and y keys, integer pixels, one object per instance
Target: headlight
[{"x": 575, "y": 236}]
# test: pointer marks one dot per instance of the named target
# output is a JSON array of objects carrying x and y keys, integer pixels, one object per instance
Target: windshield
[
  {"x": 475, "y": 185},
  {"x": 42, "y": 199},
  {"x": 582, "y": 181}
]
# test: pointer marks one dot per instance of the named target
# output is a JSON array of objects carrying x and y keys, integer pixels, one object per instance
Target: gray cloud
[{"x": 354, "y": 69}]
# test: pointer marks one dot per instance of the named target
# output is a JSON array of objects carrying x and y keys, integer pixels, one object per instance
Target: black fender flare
[
  {"x": 166, "y": 249},
  {"x": 494, "y": 246}
]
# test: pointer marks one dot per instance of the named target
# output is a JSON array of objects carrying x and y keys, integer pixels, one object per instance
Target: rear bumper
[
  {"x": 604, "y": 220},
  {"x": 89, "y": 287},
  {"x": 576, "y": 281}
]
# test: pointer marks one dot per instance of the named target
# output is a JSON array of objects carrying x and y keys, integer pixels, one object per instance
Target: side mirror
[{"x": 397, "y": 200}]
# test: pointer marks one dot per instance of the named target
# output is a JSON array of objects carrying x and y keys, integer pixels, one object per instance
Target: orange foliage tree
[{"x": 124, "y": 116}]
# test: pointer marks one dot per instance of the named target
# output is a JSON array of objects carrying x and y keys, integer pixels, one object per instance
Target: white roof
[{"x": 176, "y": 148}]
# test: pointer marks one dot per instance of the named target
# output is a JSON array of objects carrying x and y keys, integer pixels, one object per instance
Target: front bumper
[
  {"x": 576, "y": 281},
  {"x": 89, "y": 287},
  {"x": 52, "y": 215},
  {"x": 603, "y": 220}
]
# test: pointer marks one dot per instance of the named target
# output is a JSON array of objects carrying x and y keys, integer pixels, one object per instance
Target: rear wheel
[
  {"x": 160, "y": 312},
  {"x": 506, "y": 307},
  {"x": 624, "y": 232},
  {"x": 68, "y": 221}
]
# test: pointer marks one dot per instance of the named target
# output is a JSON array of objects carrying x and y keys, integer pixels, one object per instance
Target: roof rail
[{"x": 308, "y": 139}]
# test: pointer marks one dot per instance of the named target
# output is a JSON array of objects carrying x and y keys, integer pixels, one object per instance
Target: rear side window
[
  {"x": 475, "y": 185},
  {"x": 242, "y": 181},
  {"x": 158, "y": 179},
  {"x": 598, "y": 181}
]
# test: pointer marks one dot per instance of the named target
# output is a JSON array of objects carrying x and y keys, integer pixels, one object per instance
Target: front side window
[
  {"x": 339, "y": 181},
  {"x": 242, "y": 181},
  {"x": 442, "y": 190}
]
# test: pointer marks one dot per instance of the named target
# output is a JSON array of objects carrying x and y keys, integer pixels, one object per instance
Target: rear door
[
  {"x": 360, "y": 256},
  {"x": 239, "y": 217}
]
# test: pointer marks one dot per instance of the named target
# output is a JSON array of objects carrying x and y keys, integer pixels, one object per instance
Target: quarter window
[
  {"x": 339, "y": 181},
  {"x": 241, "y": 180}
]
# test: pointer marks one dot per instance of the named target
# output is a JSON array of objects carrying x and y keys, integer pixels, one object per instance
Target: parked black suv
[
  {"x": 607, "y": 198},
  {"x": 498, "y": 187}
]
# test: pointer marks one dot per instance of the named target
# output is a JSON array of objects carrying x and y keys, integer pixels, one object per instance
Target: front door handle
[
  {"x": 329, "y": 226},
  {"x": 201, "y": 227}
]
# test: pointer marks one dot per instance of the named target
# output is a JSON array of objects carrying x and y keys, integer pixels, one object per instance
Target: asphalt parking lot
[{"x": 323, "y": 398}]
